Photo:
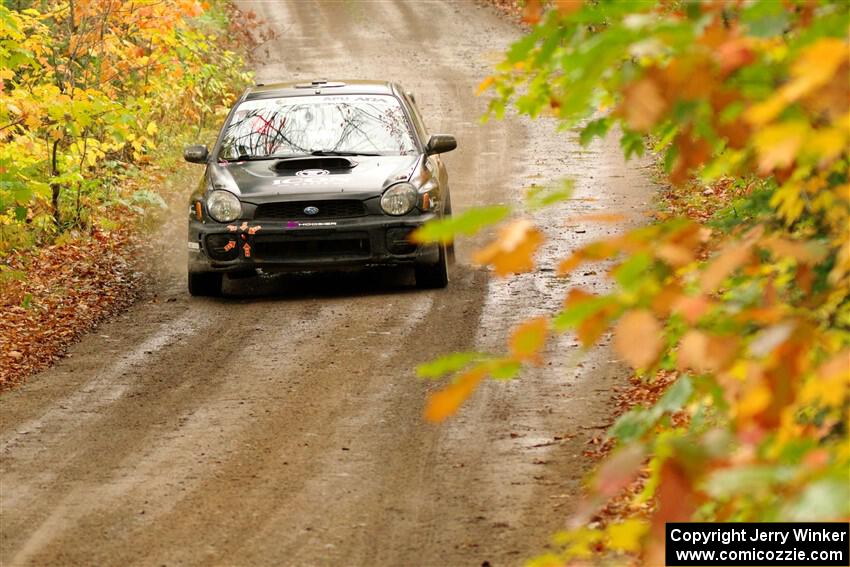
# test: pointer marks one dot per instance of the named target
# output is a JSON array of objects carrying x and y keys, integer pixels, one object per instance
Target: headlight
[
  {"x": 223, "y": 206},
  {"x": 399, "y": 199}
]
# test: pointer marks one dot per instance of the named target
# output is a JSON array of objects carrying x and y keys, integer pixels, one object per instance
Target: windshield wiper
[
  {"x": 245, "y": 157},
  {"x": 339, "y": 153}
]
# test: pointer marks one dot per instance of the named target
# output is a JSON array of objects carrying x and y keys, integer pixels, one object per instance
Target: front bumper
[{"x": 307, "y": 245}]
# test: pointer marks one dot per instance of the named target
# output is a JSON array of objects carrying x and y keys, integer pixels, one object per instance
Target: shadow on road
[{"x": 313, "y": 285}]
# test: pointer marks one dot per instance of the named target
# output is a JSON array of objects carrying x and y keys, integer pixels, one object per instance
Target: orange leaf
[
  {"x": 567, "y": 7},
  {"x": 528, "y": 339},
  {"x": 445, "y": 403},
  {"x": 702, "y": 352},
  {"x": 693, "y": 152},
  {"x": 732, "y": 257},
  {"x": 570, "y": 264},
  {"x": 531, "y": 12},
  {"x": 638, "y": 338},
  {"x": 513, "y": 251},
  {"x": 591, "y": 328},
  {"x": 576, "y": 296},
  {"x": 485, "y": 84},
  {"x": 619, "y": 470},
  {"x": 800, "y": 251},
  {"x": 691, "y": 308},
  {"x": 734, "y": 54},
  {"x": 643, "y": 104},
  {"x": 664, "y": 300},
  {"x": 598, "y": 217}
]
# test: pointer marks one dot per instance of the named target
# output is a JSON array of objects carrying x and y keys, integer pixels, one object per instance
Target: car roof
[{"x": 320, "y": 87}]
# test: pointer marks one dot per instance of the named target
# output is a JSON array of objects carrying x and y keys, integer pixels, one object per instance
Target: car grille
[
  {"x": 294, "y": 210},
  {"x": 283, "y": 248}
]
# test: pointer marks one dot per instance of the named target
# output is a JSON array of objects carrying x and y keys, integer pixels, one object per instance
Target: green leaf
[
  {"x": 823, "y": 500},
  {"x": 540, "y": 197},
  {"x": 594, "y": 129},
  {"x": 633, "y": 424},
  {"x": 729, "y": 482},
  {"x": 469, "y": 222},
  {"x": 447, "y": 364},
  {"x": 676, "y": 396},
  {"x": 632, "y": 144},
  {"x": 504, "y": 369},
  {"x": 572, "y": 316},
  {"x": 631, "y": 273},
  {"x": 9, "y": 274}
]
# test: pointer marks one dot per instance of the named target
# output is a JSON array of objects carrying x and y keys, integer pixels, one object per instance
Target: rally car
[{"x": 316, "y": 176}]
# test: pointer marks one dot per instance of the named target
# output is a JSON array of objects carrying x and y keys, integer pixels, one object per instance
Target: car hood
[{"x": 310, "y": 177}]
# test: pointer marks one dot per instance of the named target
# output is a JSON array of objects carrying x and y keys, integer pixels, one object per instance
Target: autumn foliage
[
  {"x": 88, "y": 89},
  {"x": 747, "y": 305}
]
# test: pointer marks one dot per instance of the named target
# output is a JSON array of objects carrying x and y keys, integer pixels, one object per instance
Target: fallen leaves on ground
[{"x": 65, "y": 291}]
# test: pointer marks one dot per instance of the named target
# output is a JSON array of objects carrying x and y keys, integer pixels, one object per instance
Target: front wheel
[
  {"x": 435, "y": 276},
  {"x": 204, "y": 284}
]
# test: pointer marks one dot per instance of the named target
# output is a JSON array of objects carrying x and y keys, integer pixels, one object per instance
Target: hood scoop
[{"x": 312, "y": 166}]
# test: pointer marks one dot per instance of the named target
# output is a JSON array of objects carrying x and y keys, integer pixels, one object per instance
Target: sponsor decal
[
  {"x": 317, "y": 180},
  {"x": 303, "y": 224},
  {"x": 194, "y": 246}
]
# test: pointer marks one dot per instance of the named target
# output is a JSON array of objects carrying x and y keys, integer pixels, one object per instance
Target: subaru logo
[{"x": 311, "y": 211}]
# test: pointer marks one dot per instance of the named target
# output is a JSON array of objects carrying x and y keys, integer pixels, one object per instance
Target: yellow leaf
[
  {"x": 825, "y": 145},
  {"x": 638, "y": 338},
  {"x": 445, "y": 403},
  {"x": 753, "y": 402},
  {"x": 627, "y": 535},
  {"x": 528, "y": 339},
  {"x": 152, "y": 129},
  {"x": 831, "y": 384},
  {"x": 513, "y": 251},
  {"x": 778, "y": 145},
  {"x": 816, "y": 66}
]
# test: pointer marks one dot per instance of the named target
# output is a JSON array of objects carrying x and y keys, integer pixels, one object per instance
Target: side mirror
[
  {"x": 440, "y": 144},
  {"x": 196, "y": 154}
]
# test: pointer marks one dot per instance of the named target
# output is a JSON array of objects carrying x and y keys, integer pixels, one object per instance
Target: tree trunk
[{"x": 55, "y": 188}]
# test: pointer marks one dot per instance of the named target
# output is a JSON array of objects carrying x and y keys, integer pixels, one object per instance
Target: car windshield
[{"x": 297, "y": 126}]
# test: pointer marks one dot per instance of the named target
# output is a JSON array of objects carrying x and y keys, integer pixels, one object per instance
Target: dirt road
[{"x": 282, "y": 425}]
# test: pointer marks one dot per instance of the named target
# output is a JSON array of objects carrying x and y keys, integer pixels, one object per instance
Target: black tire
[
  {"x": 450, "y": 249},
  {"x": 435, "y": 276},
  {"x": 204, "y": 284}
]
